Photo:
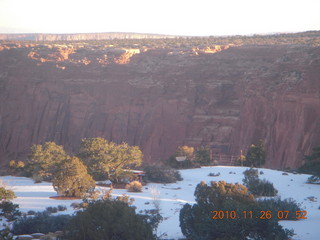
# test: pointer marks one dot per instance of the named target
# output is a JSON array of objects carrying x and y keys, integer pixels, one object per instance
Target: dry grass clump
[{"x": 134, "y": 186}]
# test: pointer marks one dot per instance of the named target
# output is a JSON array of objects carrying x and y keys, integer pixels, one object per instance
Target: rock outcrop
[{"x": 162, "y": 98}]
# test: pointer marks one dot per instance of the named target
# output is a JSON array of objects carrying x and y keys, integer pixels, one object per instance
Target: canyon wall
[
  {"x": 160, "y": 99},
  {"x": 79, "y": 36}
]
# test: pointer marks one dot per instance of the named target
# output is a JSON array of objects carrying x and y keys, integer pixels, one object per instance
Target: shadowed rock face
[{"x": 160, "y": 99}]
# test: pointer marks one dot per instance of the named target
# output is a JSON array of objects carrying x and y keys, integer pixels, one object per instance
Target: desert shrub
[
  {"x": 153, "y": 217},
  {"x": 106, "y": 159},
  {"x": 62, "y": 208},
  {"x": 314, "y": 179},
  {"x": 257, "y": 186},
  {"x": 251, "y": 172},
  {"x": 41, "y": 222},
  {"x": 16, "y": 167},
  {"x": 125, "y": 198},
  {"x": 77, "y": 206},
  {"x": 72, "y": 179},
  {"x": 160, "y": 174},
  {"x": 52, "y": 209},
  {"x": 31, "y": 212},
  {"x": 255, "y": 156},
  {"x": 312, "y": 163},
  {"x": 134, "y": 186},
  {"x": 202, "y": 155},
  {"x": 310, "y": 167},
  {"x": 109, "y": 219},
  {"x": 6, "y": 194},
  {"x": 196, "y": 222},
  {"x": 214, "y": 174},
  {"x": 37, "y": 178},
  {"x": 173, "y": 163},
  {"x": 275, "y": 205},
  {"x": 189, "y": 162},
  {"x": 9, "y": 211},
  {"x": 123, "y": 176},
  {"x": 6, "y": 234},
  {"x": 262, "y": 188},
  {"x": 44, "y": 160}
]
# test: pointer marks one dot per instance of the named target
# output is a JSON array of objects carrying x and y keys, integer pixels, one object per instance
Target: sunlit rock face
[{"x": 225, "y": 97}]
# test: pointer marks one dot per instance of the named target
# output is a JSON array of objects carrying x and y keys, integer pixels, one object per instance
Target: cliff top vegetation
[{"x": 311, "y": 38}]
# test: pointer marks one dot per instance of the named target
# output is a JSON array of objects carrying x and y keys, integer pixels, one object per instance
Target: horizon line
[{"x": 160, "y": 34}]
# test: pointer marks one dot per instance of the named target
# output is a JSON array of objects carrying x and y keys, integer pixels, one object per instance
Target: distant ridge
[{"x": 79, "y": 36}]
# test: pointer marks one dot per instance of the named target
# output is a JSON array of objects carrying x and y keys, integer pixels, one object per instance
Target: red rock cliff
[{"x": 160, "y": 99}]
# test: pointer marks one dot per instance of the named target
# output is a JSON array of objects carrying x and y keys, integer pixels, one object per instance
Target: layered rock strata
[{"x": 159, "y": 99}]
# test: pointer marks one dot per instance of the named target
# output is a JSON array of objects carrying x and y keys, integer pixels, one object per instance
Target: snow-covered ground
[{"x": 172, "y": 197}]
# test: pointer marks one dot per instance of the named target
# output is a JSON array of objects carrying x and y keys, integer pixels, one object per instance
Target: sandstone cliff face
[
  {"x": 160, "y": 99},
  {"x": 80, "y": 36}
]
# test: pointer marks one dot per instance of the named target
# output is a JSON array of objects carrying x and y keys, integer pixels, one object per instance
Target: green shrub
[
  {"x": 251, "y": 172},
  {"x": 9, "y": 211},
  {"x": 196, "y": 222},
  {"x": 72, "y": 179},
  {"x": 109, "y": 219},
  {"x": 52, "y": 209},
  {"x": 106, "y": 159},
  {"x": 310, "y": 167},
  {"x": 41, "y": 222},
  {"x": 43, "y": 161},
  {"x": 257, "y": 186},
  {"x": 77, "y": 206},
  {"x": 275, "y": 205},
  {"x": 173, "y": 163},
  {"x": 62, "y": 208},
  {"x": 314, "y": 179},
  {"x": 31, "y": 212},
  {"x": 255, "y": 156},
  {"x": 123, "y": 176},
  {"x": 214, "y": 174},
  {"x": 6, "y": 194},
  {"x": 160, "y": 174},
  {"x": 312, "y": 163},
  {"x": 262, "y": 188},
  {"x": 202, "y": 156},
  {"x": 16, "y": 168},
  {"x": 134, "y": 186}
]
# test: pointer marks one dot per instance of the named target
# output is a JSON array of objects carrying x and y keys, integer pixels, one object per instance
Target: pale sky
[{"x": 176, "y": 17}]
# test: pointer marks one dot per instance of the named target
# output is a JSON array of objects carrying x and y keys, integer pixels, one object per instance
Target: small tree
[
  {"x": 182, "y": 151},
  {"x": 72, "y": 179},
  {"x": 16, "y": 167},
  {"x": 44, "y": 159},
  {"x": 241, "y": 160},
  {"x": 107, "y": 159},
  {"x": 256, "y": 186},
  {"x": 255, "y": 155},
  {"x": 96, "y": 154},
  {"x": 202, "y": 155},
  {"x": 125, "y": 156},
  {"x": 8, "y": 212},
  {"x": 185, "y": 151},
  {"x": 6, "y": 194},
  {"x": 312, "y": 163}
]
